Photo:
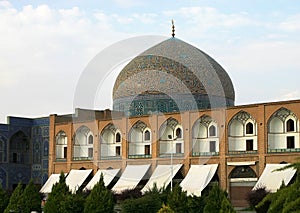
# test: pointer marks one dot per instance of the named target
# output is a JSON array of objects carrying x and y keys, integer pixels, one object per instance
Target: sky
[{"x": 46, "y": 45}]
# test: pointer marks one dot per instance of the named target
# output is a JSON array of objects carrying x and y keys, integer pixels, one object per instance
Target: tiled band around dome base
[{"x": 161, "y": 103}]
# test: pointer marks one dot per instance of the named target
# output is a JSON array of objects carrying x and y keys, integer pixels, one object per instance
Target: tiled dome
[{"x": 172, "y": 71}]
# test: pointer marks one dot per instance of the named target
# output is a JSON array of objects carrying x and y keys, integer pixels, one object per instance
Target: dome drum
[{"x": 162, "y": 103}]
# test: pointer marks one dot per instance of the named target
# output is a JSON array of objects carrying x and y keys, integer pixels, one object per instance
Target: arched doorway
[{"x": 241, "y": 181}]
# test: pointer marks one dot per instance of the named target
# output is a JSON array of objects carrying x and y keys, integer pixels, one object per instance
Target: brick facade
[{"x": 261, "y": 113}]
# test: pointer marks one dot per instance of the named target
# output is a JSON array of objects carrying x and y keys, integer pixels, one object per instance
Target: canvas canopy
[
  {"x": 161, "y": 176},
  {"x": 197, "y": 178},
  {"x": 108, "y": 176},
  {"x": 76, "y": 178},
  {"x": 130, "y": 178},
  {"x": 272, "y": 179},
  {"x": 47, "y": 187}
]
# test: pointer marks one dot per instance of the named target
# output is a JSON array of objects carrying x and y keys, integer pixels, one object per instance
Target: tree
[
  {"x": 292, "y": 206},
  {"x": 4, "y": 199},
  {"x": 147, "y": 203},
  {"x": 128, "y": 194},
  {"x": 195, "y": 204},
  {"x": 177, "y": 199},
  {"x": 58, "y": 195},
  {"x": 295, "y": 166},
  {"x": 74, "y": 203},
  {"x": 100, "y": 200},
  {"x": 14, "y": 201},
  {"x": 284, "y": 197},
  {"x": 30, "y": 199},
  {"x": 256, "y": 196},
  {"x": 165, "y": 209},
  {"x": 162, "y": 193},
  {"x": 217, "y": 201},
  {"x": 226, "y": 206}
]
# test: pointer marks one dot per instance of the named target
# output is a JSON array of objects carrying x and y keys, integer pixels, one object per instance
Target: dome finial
[{"x": 173, "y": 29}]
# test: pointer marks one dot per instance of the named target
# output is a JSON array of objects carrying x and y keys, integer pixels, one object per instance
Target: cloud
[
  {"x": 146, "y": 18},
  {"x": 292, "y": 23},
  {"x": 5, "y": 4},
  {"x": 43, "y": 52},
  {"x": 128, "y": 3},
  {"x": 291, "y": 95},
  {"x": 209, "y": 17},
  {"x": 44, "y": 49}
]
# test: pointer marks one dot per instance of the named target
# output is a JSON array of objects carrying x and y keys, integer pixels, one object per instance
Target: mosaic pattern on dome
[
  {"x": 195, "y": 59},
  {"x": 198, "y": 72},
  {"x": 156, "y": 74}
]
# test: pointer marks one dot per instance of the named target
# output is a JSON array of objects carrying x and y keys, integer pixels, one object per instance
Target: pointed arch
[
  {"x": 283, "y": 130},
  {"x": 81, "y": 136},
  {"x": 212, "y": 131},
  {"x": 147, "y": 135},
  {"x": 61, "y": 148},
  {"x": 178, "y": 132},
  {"x": 83, "y": 144},
  {"x": 166, "y": 130},
  {"x": 61, "y": 138},
  {"x": 3, "y": 148},
  {"x": 19, "y": 148},
  {"x": 171, "y": 138},
  {"x": 110, "y": 142},
  {"x": 242, "y": 172},
  {"x": 139, "y": 142},
  {"x": 242, "y": 134},
  {"x": 136, "y": 132},
  {"x": 109, "y": 133},
  {"x": 249, "y": 128},
  {"x": 241, "y": 123},
  {"x": 205, "y": 137},
  {"x": 118, "y": 137},
  {"x": 283, "y": 113},
  {"x": 290, "y": 125}
]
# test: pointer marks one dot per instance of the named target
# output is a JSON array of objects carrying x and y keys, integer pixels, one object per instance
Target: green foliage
[
  {"x": 14, "y": 201},
  {"x": 264, "y": 205},
  {"x": 147, "y": 203},
  {"x": 129, "y": 194},
  {"x": 165, "y": 209},
  {"x": 293, "y": 206},
  {"x": 177, "y": 199},
  {"x": 286, "y": 199},
  {"x": 30, "y": 199},
  {"x": 74, "y": 203},
  {"x": 226, "y": 206},
  {"x": 100, "y": 200},
  {"x": 217, "y": 201},
  {"x": 4, "y": 199},
  {"x": 57, "y": 197},
  {"x": 162, "y": 193},
  {"x": 195, "y": 204}
]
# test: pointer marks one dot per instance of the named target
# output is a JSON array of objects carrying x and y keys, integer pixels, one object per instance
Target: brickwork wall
[{"x": 260, "y": 112}]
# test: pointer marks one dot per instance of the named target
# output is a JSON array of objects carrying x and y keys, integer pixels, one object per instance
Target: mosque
[{"x": 173, "y": 121}]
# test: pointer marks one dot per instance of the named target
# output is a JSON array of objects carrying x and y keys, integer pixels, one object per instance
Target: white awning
[
  {"x": 130, "y": 177},
  {"x": 272, "y": 180},
  {"x": 76, "y": 178},
  {"x": 161, "y": 176},
  {"x": 198, "y": 178},
  {"x": 47, "y": 187},
  {"x": 241, "y": 163},
  {"x": 108, "y": 176}
]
